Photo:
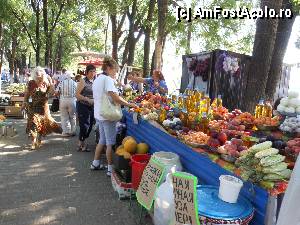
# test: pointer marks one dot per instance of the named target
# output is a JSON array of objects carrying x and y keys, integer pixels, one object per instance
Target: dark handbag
[{"x": 55, "y": 105}]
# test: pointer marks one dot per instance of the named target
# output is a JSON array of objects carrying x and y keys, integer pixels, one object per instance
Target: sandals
[{"x": 83, "y": 149}]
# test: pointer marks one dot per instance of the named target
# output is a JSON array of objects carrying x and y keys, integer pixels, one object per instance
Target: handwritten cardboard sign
[
  {"x": 185, "y": 199},
  {"x": 151, "y": 178}
]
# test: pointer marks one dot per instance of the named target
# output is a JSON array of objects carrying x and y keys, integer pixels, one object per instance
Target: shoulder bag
[{"x": 109, "y": 110}]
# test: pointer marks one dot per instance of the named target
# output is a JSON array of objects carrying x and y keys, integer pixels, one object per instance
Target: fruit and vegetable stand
[{"x": 196, "y": 163}]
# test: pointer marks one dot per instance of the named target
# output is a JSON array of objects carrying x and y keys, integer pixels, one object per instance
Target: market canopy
[
  {"x": 95, "y": 62},
  {"x": 89, "y": 54}
]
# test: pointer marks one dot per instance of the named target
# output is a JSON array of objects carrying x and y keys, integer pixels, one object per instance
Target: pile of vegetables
[
  {"x": 263, "y": 163},
  {"x": 290, "y": 104},
  {"x": 291, "y": 124},
  {"x": 16, "y": 89}
]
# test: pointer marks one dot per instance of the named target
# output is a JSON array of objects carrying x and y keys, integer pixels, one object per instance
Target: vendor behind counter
[{"x": 155, "y": 84}]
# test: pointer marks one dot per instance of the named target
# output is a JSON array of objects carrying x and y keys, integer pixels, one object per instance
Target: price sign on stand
[
  {"x": 185, "y": 199},
  {"x": 151, "y": 178}
]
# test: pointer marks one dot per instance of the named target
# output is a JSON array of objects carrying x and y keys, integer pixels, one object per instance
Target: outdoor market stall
[
  {"x": 200, "y": 165},
  {"x": 222, "y": 142}
]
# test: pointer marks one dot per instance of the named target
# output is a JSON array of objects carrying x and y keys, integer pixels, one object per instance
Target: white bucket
[{"x": 229, "y": 189}]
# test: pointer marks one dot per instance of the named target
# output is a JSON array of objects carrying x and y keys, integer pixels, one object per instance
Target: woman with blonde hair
[
  {"x": 105, "y": 85},
  {"x": 39, "y": 121}
]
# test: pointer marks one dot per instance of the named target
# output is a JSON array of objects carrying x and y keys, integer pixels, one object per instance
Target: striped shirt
[{"x": 67, "y": 88}]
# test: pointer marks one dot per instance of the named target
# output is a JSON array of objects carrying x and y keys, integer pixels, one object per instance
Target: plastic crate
[{"x": 123, "y": 189}]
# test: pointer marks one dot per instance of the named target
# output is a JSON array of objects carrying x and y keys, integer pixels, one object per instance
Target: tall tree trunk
[
  {"x": 162, "y": 14},
  {"x": 106, "y": 34},
  {"x": 114, "y": 37},
  {"x": 147, "y": 40},
  {"x": 261, "y": 57},
  {"x": 37, "y": 34},
  {"x": 1, "y": 45},
  {"x": 59, "y": 53},
  {"x": 189, "y": 37},
  {"x": 283, "y": 34},
  {"x": 46, "y": 31}
]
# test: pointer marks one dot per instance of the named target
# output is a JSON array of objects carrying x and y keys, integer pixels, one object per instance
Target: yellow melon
[
  {"x": 130, "y": 146},
  {"x": 142, "y": 148},
  {"x": 120, "y": 150},
  {"x": 126, "y": 155},
  {"x": 126, "y": 138}
]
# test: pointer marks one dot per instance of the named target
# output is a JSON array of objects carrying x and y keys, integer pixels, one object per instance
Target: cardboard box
[
  {"x": 13, "y": 111},
  {"x": 16, "y": 98}
]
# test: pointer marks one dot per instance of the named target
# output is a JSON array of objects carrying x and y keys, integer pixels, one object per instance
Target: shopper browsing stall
[
  {"x": 39, "y": 122},
  {"x": 85, "y": 106},
  {"x": 66, "y": 90},
  {"x": 105, "y": 85},
  {"x": 155, "y": 84}
]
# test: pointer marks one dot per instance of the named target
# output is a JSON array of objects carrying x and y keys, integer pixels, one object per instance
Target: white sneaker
[{"x": 108, "y": 173}]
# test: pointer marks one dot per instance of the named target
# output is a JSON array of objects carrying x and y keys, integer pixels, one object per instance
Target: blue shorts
[{"x": 107, "y": 131}]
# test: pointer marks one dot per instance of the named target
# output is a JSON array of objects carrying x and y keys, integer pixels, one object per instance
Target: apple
[{"x": 222, "y": 137}]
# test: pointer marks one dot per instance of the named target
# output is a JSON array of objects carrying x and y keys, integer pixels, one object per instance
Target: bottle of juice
[
  {"x": 259, "y": 109},
  {"x": 219, "y": 101},
  {"x": 163, "y": 115},
  {"x": 204, "y": 123},
  {"x": 268, "y": 110}
]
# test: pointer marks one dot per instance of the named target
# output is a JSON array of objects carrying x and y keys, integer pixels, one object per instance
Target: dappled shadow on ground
[{"x": 54, "y": 185}]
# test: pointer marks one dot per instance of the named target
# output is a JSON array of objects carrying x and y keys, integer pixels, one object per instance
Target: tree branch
[
  {"x": 25, "y": 27},
  {"x": 120, "y": 24},
  {"x": 57, "y": 16}
]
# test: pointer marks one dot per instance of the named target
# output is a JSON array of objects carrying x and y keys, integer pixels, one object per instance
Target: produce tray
[
  {"x": 266, "y": 128},
  {"x": 288, "y": 114}
]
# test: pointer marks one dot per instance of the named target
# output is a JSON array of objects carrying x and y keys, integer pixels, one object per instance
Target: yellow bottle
[
  {"x": 259, "y": 109},
  {"x": 163, "y": 115},
  {"x": 268, "y": 109},
  {"x": 204, "y": 123},
  {"x": 219, "y": 101}
]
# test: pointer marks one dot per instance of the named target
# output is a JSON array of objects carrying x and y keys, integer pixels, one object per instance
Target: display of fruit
[
  {"x": 232, "y": 148},
  {"x": 142, "y": 148},
  {"x": 219, "y": 112},
  {"x": 130, "y": 146},
  {"x": 267, "y": 121},
  {"x": 126, "y": 138},
  {"x": 233, "y": 114},
  {"x": 290, "y": 104},
  {"x": 218, "y": 125},
  {"x": 291, "y": 125},
  {"x": 294, "y": 145},
  {"x": 195, "y": 137},
  {"x": 244, "y": 119},
  {"x": 220, "y": 136}
]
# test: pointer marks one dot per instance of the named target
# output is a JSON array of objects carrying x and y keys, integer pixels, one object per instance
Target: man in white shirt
[{"x": 66, "y": 89}]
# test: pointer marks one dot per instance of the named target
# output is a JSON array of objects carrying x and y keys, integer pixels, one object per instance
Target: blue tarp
[{"x": 201, "y": 166}]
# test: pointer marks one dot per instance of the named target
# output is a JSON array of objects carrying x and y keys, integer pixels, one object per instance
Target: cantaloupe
[
  {"x": 126, "y": 155},
  {"x": 126, "y": 138},
  {"x": 120, "y": 150},
  {"x": 142, "y": 148},
  {"x": 130, "y": 146}
]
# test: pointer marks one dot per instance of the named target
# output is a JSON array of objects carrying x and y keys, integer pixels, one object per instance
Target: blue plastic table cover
[
  {"x": 209, "y": 205},
  {"x": 201, "y": 166}
]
